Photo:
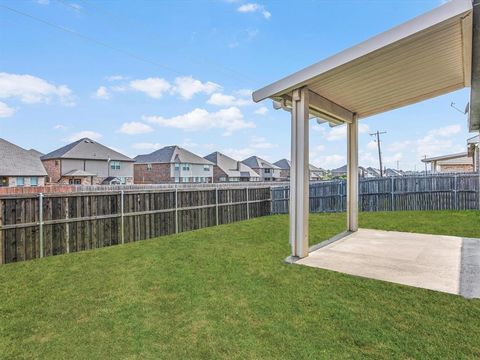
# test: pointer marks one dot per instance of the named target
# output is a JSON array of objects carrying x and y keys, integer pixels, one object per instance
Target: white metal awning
[{"x": 427, "y": 56}]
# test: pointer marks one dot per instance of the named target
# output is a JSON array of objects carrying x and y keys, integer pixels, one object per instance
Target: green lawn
[{"x": 224, "y": 292}]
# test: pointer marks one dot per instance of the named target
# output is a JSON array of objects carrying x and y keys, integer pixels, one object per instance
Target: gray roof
[
  {"x": 36, "y": 152},
  {"x": 457, "y": 156},
  {"x": 285, "y": 164},
  {"x": 79, "y": 173},
  {"x": 171, "y": 154},
  {"x": 86, "y": 149},
  {"x": 16, "y": 161},
  {"x": 231, "y": 167},
  {"x": 258, "y": 163}
]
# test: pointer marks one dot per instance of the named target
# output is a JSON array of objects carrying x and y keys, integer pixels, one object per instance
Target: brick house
[
  {"x": 20, "y": 167},
  {"x": 226, "y": 169},
  {"x": 172, "y": 164},
  {"x": 266, "y": 170},
  {"x": 460, "y": 162},
  {"x": 87, "y": 162}
]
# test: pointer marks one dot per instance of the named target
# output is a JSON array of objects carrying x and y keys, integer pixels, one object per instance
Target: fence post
[
  {"x": 40, "y": 223},
  {"x": 122, "y": 216},
  {"x": 393, "y": 193},
  {"x": 67, "y": 226},
  {"x": 216, "y": 205},
  {"x": 2, "y": 241},
  {"x": 455, "y": 192},
  {"x": 176, "y": 210},
  {"x": 248, "y": 206}
]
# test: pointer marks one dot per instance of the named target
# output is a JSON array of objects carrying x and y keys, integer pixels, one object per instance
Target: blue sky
[{"x": 140, "y": 75}]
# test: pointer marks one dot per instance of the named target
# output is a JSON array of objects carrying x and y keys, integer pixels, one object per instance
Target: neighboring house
[
  {"x": 474, "y": 151},
  {"x": 19, "y": 167},
  {"x": 266, "y": 170},
  {"x": 371, "y": 172},
  {"x": 87, "y": 162},
  {"x": 460, "y": 162},
  {"x": 393, "y": 172},
  {"x": 226, "y": 169},
  {"x": 172, "y": 164},
  {"x": 284, "y": 165},
  {"x": 36, "y": 153},
  {"x": 342, "y": 172}
]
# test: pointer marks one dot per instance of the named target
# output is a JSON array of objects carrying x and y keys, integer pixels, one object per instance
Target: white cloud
[
  {"x": 261, "y": 111},
  {"x": 135, "y": 128},
  {"x": 59, "y": 127},
  {"x": 147, "y": 146},
  {"x": 84, "y": 134},
  {"x": 372, "y": 145},
  {"x": 220, "y": 99},
  {"x": 330, "y": 161},
  {"x": 230, "y": 120},
  {"x": 102, "y": 93},
  {"x": 261, "y": 143},
  {"x": 239, "y": 154},
  {"x": 5, "y": 110},
  {"x": 340, "y": 132},
  {"x": 399, "y": 145},
  {"x": 31, "y": 89},
  {"x": 115, "y": 78},
  {"x": 187, "y": 86},
  {"x": 189, "y": 143},
  {"x": 254, "y": 7},
  {"x": 153, "y": 87},
  {"x": 437, "y": 141}
]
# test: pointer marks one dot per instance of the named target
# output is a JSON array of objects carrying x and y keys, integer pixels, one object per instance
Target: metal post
[
  {"x": 122, "y": 216},
  {"x": 352, "y": 175},
  {"x": 393, "y": 193},
  {"x": 40, "y": 222},
  {"x": 176, "y": 210},
  {"x": 299, "y": 174},
  {"x": 455, "y": 192},
  {"x": 248, "y": 206},
  {"x": 216, "y": 206}
]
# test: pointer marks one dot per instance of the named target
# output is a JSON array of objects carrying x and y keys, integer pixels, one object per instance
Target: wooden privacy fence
[
  {"x": 34, "y": 226},
  {"x": 433, "y": 192}
]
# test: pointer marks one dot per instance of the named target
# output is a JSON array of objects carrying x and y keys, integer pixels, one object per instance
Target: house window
[
  {"x": 3, "y": 181},
  {"x": 115, "y": 165},
  {"x": 77, "y": 181},
  {"x": 222, "y": 178},
  {"x": 177, "y": 166},
  {"x": 149, "y": 167},
  {"x": 267, "y": 171},
  {"x": 177, "y": 179},
  {"x": 185, "y": 179},
  {"x": 33, "y": 181},
  {"x": 186, "y": 167},
  {"x": 206, "y": 167},
  {"x": 56, "y": 162},
  {"x": 20, "y": 181}
]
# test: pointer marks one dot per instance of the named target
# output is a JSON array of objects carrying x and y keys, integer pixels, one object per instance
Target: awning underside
[{"x": 426, "y": 57}]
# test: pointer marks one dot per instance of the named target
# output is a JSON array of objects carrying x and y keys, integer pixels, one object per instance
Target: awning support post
[
  {"x": 299, "y": 174},
  {"x": 352, "y": 175}
]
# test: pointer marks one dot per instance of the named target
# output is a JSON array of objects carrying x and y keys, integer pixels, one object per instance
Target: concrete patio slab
[{"x": 443, "y": 263}]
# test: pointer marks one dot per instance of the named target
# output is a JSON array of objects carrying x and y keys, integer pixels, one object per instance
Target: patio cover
[{"x": 425, "y": 57}]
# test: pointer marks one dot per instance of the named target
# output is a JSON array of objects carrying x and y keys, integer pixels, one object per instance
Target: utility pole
[{"x": 377, "y": 135}]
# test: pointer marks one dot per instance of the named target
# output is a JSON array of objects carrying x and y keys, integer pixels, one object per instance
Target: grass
[{"x": 224, "y": 293}]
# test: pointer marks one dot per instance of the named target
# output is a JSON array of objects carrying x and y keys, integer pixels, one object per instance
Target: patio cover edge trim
[{"x": 450, "y": 10}]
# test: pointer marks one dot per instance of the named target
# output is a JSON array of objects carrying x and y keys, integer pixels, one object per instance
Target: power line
[
  {"x": 236, "y": 74},
  {"x": 91, "y": 39},
  {"x": 377, "y": 135}
]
